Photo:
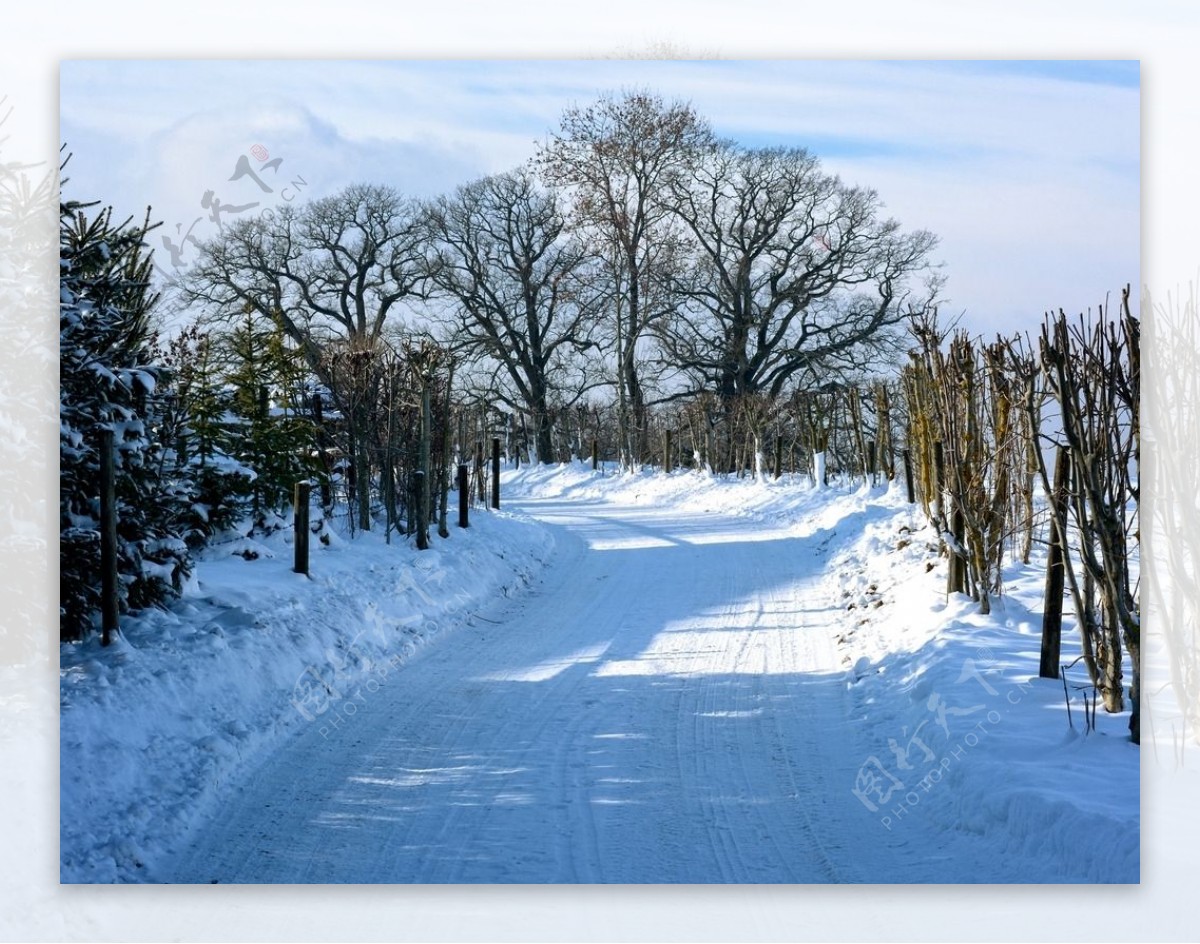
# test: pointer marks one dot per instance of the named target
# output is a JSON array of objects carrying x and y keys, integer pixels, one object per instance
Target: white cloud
[{"x": 1030, "y": 178}]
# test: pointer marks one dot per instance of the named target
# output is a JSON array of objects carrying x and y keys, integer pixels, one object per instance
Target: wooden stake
[
  {"x": 464, "y": 495},
  {"x": 109, "y": 595},
  {"x": 1052, "y": 602},
  {"x": 495, "y": 472},
  {"x": 300, "y": 499}
]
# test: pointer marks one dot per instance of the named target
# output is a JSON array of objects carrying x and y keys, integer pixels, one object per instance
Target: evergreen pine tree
[
  {"x": 269, "y": 430},
  {"x": 108, "y": 379},
  {"x": 203, "y": 430}
]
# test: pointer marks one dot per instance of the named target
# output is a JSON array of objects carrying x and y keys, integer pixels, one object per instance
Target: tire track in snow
[
  {"x": 735, "y": 659},
  {"x": 766, "y": 830}
]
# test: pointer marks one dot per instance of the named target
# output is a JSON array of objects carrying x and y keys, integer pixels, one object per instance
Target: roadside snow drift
[{"x": 154, "y": 727}]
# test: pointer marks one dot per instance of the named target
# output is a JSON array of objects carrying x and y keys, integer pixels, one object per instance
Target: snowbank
[
  {"x": 969, "y": 744},
  {"x": 156, "y": 726}
]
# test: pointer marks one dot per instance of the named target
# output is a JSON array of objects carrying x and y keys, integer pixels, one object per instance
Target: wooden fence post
[
  {"x": 421, "y": 488},
  {"x": 495, "y": 472},
  {"x": 300, "y": 498},
  {"x": 1048, "y": 667},
  {"x": 464, "y": 495},
  {"x": 109, "y": 599}
]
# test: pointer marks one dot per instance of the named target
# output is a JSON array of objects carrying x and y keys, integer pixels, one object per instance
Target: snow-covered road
[{"x": 665, "y": 705}]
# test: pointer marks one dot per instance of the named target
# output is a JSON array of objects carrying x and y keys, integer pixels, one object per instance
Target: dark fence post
[
  {"x": 301, "y": 495},
  {"x": 109, "y": 600},
  {"x": 1055, "y": 570},
  {"x": 464, "y": 495},
  {"x": 419, "y": 487},
  {"x": 908, "y": 477},
  {"x": 495, "y": 472}
]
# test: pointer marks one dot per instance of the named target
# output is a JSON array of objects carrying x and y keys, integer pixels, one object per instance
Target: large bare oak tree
[
  {"x": 519, "y": 291},
  {"x": 793, "y": 275},
  {"x": 616, "y": 155}
]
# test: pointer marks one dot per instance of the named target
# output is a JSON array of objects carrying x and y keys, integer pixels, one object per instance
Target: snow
[
  {"x": 154, "y": 727},
  {"x": 619, "y": 678}
]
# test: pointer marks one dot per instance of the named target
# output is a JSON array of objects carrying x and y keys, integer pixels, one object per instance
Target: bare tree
[
  {"x": 793, "y": 274},
  {"x": 518, "y": 283},
  {"x": 1092, "y": 369},
  {"x": 970, "y": 396},
  {"x": 329, "y": 275},
  {"x": 616, "y": 156}
]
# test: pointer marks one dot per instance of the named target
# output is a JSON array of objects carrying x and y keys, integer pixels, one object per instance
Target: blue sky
[{"x": 1027, "y": 170}]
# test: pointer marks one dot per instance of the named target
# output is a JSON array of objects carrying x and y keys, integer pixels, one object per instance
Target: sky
[{"x": 1028, "y": 171}]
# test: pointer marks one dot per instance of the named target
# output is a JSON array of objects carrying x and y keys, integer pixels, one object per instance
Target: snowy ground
[
  {"x": 683, "y": 680},
  {"x": 154, "y": 727}
]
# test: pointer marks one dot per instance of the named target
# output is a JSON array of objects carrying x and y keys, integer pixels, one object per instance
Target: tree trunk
[
  {"x": 760, "y": 461},
  {"x": 543, "y": 429},
  {"x": 883, "y": 411},
  {"x": 362, "y": 486},
  {"x": 423, "y": 503},
  {"x": 639, "y": 442},
  {"x": 624, "y": 452},
  {"x": 1135, "y": 689},
  {"x": 819, "y": 469},
  {"x": 447, "y": 457},
  {"x": 362, "y": 468}
]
